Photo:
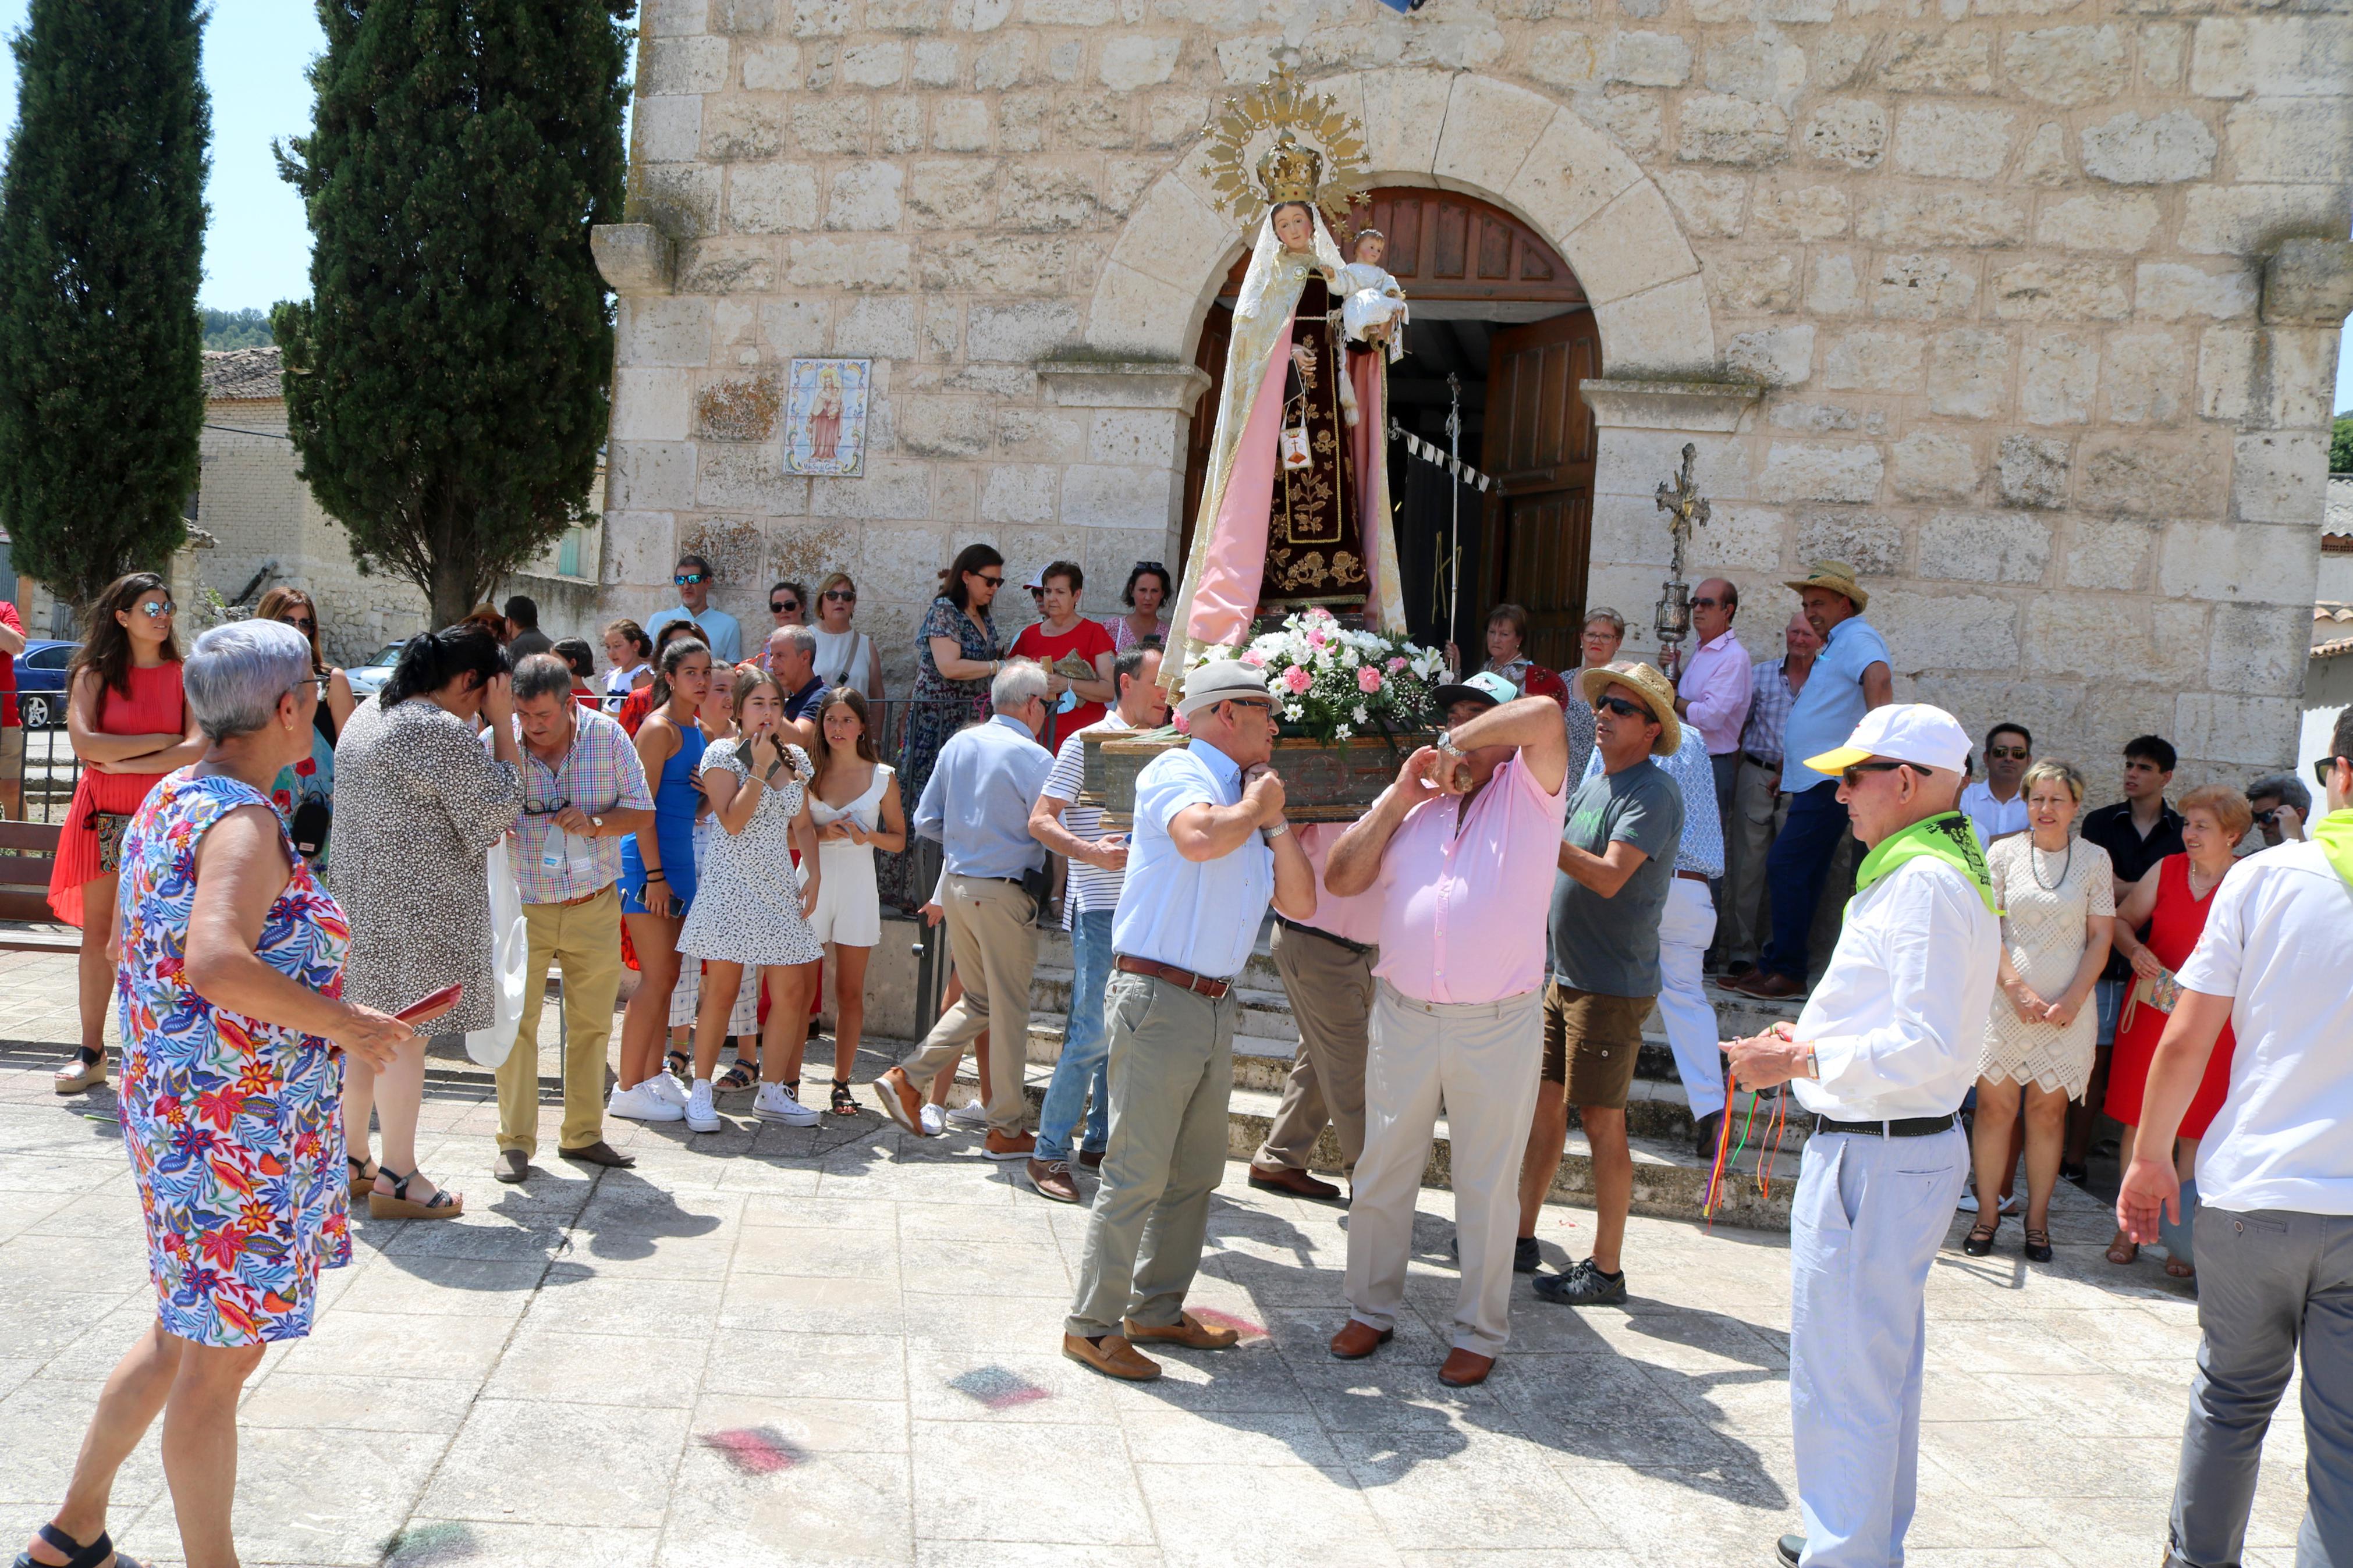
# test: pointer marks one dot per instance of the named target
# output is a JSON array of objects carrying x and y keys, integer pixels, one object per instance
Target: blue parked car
[{"x": 41, "y": 681}]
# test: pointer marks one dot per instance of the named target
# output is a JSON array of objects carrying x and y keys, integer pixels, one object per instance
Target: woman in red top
[
  {"x": 640, "y": 702},
  {"x": 1062, "y": 633},
  {"x": 129, "y": 727},
  {"x": 2172, "y": 900}
]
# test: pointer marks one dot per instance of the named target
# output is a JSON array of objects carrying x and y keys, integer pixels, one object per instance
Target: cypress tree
[
  {"x": 101, "y": 248},
  {"x": 447, "y": 380}
]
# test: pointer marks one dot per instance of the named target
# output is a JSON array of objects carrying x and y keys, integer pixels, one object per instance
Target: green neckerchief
[
  {"x": 2334, "y": 833},
  {"x": 1949, "y": 838}
]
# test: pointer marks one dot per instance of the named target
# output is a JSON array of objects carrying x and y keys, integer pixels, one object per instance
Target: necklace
[{"x": 2034, "y": 864}]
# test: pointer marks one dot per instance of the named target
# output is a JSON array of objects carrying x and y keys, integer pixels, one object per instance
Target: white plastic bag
[{"x": 510, "y": 953}]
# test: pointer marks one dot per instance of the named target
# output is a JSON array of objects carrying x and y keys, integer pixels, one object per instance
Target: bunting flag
[{"x": 1462, "y": 470}]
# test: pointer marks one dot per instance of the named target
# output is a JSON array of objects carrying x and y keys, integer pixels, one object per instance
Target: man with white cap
[
  {"x": 1207, "y": 854},
  {"x": 1879, "y": 1061}
]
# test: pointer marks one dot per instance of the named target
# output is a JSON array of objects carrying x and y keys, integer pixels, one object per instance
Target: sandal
[
  {"x": 1979, "y": 1242},
  {"x": 2038, "y": 1246},
  {"x": 2179, "y": 1269},
  {"x": 735, "y": 1079},
  {"x": 362, "y": 1180},
  {"x": 398, "y": 1205},
  {"x": 680, "y": 1066},
  {"x": 77, "y": 1556},
  {"x": 85, "y": 1070},
  {"x": 2123, "y": 1249},
  {"x": 844, "y": 1102}
]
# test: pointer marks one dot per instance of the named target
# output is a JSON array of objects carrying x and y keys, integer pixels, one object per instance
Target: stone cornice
[
  {"x": 1702, "y": 405},
  {"x": 1123, "y": 383}
]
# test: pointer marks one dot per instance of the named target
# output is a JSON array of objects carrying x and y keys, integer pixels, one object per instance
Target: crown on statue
[{"x": 1290, "y": 172}]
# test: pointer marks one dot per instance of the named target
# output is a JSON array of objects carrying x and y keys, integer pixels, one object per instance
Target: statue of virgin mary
[{"x": 1294, "y": 510}]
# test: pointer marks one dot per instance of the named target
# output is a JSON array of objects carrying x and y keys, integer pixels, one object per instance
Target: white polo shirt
[{"x": 2279, "y": 942}]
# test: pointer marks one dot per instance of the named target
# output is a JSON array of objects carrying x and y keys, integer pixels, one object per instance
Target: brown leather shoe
[
  {"x": 1357, "y": 1339},
  {"x": 512, "y": 1166},
  {"x": 1466, "y": 1369},
  {"x": 1052, "y": 1180},
  {"x": 1298, "y": 1183},
  {"x": 1767, "y": 985},
  {"x": 600, "y": 1153},
  {"x": 1112, "y": 1357},
  {"x": 1187, "y": 1330},
  {"x": 1091, "y": 1159},
  {"x": 900, "y": 1101},
  {"x": 998, "y": 1147}
]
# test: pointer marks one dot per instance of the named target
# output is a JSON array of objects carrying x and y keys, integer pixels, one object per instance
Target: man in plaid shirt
[
  {"x": 583, "y": 791},
  {"x": 1758, "y": 804}
]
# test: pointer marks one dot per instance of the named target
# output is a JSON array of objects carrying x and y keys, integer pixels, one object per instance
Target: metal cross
[{"x": 1685, "y": 510}]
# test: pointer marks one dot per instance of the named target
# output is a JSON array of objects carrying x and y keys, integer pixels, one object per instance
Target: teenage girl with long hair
[
  {"x": 304, "y": 792},
  {"x": 854, "y": 801},
  {"x": 128, "y": 724}
]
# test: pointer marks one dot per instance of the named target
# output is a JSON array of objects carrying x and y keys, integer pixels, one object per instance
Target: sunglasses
[
  {"x": 2009, "y": 753},
  {"x": 1849, "y": 776},
  {"x": 784, "y": 606},
  {"x": 842, "y": 596},
  {"x": 2323, "y": 767},
  {"x": 1621, "y": 707},
  {"x": 157, "y": 611},
  {"x": 687, "y": 579},
  {"x": 300, "y": 623},
  {"x": 1705, "y": 604},
  {"x": 1251, "y": 707},
  {"x": 995, "y": 582}
]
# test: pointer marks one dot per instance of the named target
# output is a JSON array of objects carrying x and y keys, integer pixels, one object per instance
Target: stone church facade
[{"x": 2029, "y": 309}]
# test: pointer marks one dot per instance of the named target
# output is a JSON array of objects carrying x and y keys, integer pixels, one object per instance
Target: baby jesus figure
[{"x": 1373, "y": 306}]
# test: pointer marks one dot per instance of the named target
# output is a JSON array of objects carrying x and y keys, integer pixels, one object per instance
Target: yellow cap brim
[{"x": 1833, "y": 762}]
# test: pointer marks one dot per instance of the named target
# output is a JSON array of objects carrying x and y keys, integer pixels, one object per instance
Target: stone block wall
[{"x": 2002, "y": 300}]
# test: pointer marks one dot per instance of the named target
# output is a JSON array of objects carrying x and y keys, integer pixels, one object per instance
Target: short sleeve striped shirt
[{"x": 1091, "y": 888}]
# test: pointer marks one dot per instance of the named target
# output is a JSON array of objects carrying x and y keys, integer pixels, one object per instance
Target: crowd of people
[{"x": 1488, "y": 938}]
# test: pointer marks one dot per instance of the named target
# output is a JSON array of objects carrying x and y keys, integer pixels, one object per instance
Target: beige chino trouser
[
  {"x": 1483, "y": 1060},
  {"x": 584, "y": 941},
  {"x": 1331, "y": 991},
  {"x": 1172, "y": 1074},
  {"x": 993, "y": 937}
]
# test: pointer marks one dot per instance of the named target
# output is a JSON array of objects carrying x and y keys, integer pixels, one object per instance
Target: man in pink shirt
[
  {"x": 1712, "y": 690},
  {"x": 1461, "y": 850},
  {"x": 1327, "y": 964}
]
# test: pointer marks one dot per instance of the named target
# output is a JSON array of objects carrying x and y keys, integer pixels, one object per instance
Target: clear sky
[{"x": 257, "y": 251}]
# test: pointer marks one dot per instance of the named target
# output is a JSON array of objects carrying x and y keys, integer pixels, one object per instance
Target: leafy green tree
[
  {"x": 2340, "y": 445},
  {"x": 101, "y": 247},
  {"x": 236, "y": 329},
  {"x": 447, "y": 380}
]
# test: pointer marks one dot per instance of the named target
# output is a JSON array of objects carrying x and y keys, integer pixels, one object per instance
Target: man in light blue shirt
[
  {"x": 1850, "y": 678},
  {"x": 1207, "y": 855},
  {"x": 976, "y": 807},
  {"x": 692, "y": 578}
]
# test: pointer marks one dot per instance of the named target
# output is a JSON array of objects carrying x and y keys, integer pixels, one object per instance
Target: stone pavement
[{"x": 772, "y": 1346}]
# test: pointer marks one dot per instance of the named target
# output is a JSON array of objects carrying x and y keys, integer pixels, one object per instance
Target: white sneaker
[
  {"x": 775, "y": 1102},
  {"x": 935, "y": 1120},
  {"x": 666, "y": 1085},
  {"x": 702, "y": 1116},
  {"x": 971, "y": 1113},
  {"x": 644, "y": 1102}
]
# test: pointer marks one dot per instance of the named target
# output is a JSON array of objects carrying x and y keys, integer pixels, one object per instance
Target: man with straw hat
[
  {"x": 1879, "y": 1062},
  {"x": 1616, "y": 863},
  {"x": 1851, "y": 677}
]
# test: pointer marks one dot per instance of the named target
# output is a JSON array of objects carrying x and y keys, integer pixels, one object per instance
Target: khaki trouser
[
  {"x": 1482, "y": 1060},
  {"x": 584, "y": 941},
  {"x": 1758, "y": 809},
  {"x": 1331, "y": 992},
  {"x": 993, "y": 937},
  {"x": 1172, "y": 1074}
]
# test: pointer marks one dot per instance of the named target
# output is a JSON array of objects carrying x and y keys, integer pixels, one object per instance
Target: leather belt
[
  {"x": 1773, "y": 765},
  {"x": 1903, "y": 1127},
  {"x": 1357, "y": 948},
  {"x": 1200, "y": 984},
  {"x": 1700, "y": 877},
  {"x": 585, "y": 897}
]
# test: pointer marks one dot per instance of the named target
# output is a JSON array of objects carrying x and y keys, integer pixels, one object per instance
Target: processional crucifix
[{"x": 1686, "y": 510}]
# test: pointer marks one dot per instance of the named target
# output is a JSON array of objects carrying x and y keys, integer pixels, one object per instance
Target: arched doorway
[{"x": 1497, "y": 308}]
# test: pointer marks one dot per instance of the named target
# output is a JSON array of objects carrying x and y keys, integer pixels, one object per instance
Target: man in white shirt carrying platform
[
  {"x": 1880, "y": 1059},
  {"x": 2275, "y": 1181}
]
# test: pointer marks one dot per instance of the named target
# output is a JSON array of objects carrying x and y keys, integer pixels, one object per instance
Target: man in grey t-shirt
[{"x": 1617, "y": 859}]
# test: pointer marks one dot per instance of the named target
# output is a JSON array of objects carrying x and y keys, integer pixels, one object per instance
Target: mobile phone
[{"x": 445, "y": 997}]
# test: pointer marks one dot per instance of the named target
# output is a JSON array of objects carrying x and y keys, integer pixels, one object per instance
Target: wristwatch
[
  {"x": 1446, "y": 746},
  {"x": 1277, "y": 831}
]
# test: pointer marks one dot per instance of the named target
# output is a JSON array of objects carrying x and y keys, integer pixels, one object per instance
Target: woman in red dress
[
  {"x": 2172, "y": 900},
  {"x": 128, "y": 725}
]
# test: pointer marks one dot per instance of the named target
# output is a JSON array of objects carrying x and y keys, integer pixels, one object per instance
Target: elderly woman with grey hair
[
  {"x": 420, "y": 800},
  {"x": 234, "y": 1032}
]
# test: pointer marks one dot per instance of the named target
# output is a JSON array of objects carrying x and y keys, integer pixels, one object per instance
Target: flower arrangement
[{"x": 1333, "y": 683}]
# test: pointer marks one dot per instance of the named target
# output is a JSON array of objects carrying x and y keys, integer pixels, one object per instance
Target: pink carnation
[
  {"x": 1297, "y": 678},
  {"x": 1397, "y": 665},
  {"x": 1317, "y": 639},
  {"x": 1182, "y": 725},
  {"x": 1369, "y": 680},
  {"x": 1254, "y": 659}
]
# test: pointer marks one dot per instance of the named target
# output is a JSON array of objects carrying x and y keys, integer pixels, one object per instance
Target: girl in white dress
[
  {"x": 632, "y": 652},
  {"x": 750, "y": 909},
  {"x": 856, "y": 807},
  {"x": 717, "y": 722}
]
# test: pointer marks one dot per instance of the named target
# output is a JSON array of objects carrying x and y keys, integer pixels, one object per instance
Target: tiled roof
[
  {"x": 2332, "y": 629},
  {"x": 252, "y": 376}
]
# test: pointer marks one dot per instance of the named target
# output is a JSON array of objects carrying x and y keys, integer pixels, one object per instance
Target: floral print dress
[{"x": 233, "y": 1126}]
